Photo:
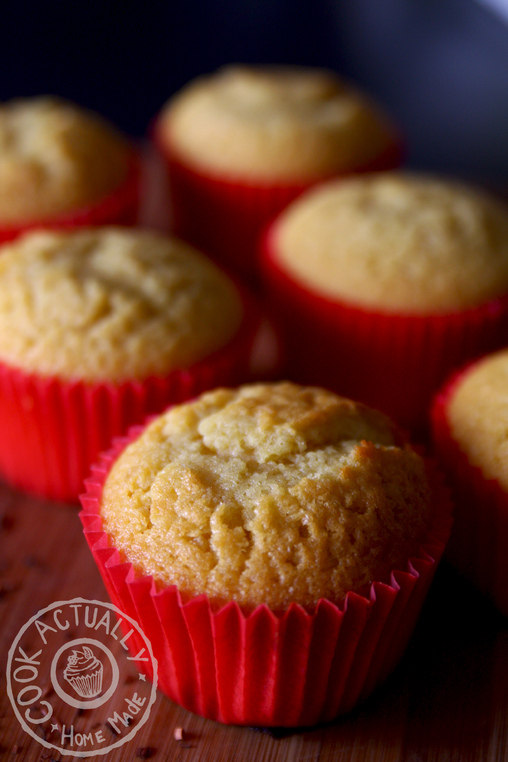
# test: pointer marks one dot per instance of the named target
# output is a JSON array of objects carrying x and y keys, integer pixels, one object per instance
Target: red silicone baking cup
[
  {"x": 294, "y": 668},
  {"x": 51, "y": 430},
  {"x": 120, "y": 207},
  {"x": 478, "y": 545},
  {"x": 393, "y": 362},
  {"x": 226, "y": 217}
]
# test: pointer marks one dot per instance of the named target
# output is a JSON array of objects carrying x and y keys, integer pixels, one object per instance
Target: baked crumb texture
[
  {"x": 55, "y": 157},
  {"x": 274, "y": 123},
  {"x": 269, "y": 493},
  {"x": 398, "y": 242},
  {"x": 111, "y": 304}
]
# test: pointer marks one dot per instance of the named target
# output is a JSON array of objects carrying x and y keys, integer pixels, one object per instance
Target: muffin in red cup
[
  {"x": 469, "y": 429},
  {"x": 274, "y": 542},
  {"x": 384, "y": 283},
  {"x": 100, "y": 327},
  {"x": 63, "y": 166},
  {"x": 243, "y": 142}
]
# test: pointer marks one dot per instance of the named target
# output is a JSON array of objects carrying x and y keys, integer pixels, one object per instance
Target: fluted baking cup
[
  {"x": 264, "y": 668},
  {"x": 120, "y": 207},
  {"x": 394, "y": 362},
  {"x": 478, "y": 545},
  {"x": 52, "y": 429},
  {"x": 226, "y": 216}
]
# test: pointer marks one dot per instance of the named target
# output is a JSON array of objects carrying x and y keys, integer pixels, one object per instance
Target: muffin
[
  {"x": 244, "y": 141},
  {"x": 385, "y": 282},
  {"x": 469, "y": 426},
  {"x": 63, "y": 166},
  {"x": 275, "y": 543},
  {"x": 98, "y": 328}
]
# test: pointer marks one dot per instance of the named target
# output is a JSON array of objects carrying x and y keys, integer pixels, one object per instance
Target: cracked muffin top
[
  {"x": 55, "y": 157},
  {"x": 274, "y": 123},
  {"x": 399, "y": 242},
  {"x": 269, "y": 493},
  {"x": 111, "y": 304}
]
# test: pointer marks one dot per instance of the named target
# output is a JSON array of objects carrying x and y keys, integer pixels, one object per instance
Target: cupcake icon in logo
[{"x": 84, "y": 672}]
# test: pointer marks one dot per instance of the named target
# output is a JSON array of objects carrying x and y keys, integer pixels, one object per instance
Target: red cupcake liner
[
  {"x": 51, "y": 429},
  {"x": 226, "y": 217},
  {"x": 393, "y": 362},
  {"x": 478, "y": 545},
  {"x": 120, "y": 207},
  {"x": 294, "y": 668}
]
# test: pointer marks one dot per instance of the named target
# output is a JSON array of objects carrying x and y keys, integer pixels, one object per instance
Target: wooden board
[{"x": 447, "y": 700}]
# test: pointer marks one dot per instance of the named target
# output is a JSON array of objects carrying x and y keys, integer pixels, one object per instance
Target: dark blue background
[{"x": 439, "y": 66}]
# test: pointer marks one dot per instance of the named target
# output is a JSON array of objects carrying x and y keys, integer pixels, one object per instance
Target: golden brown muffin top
[
  {"x": 274, "y": 123},
  {"x": 269, "y": 493},
  {"x": 478, "y": 416},
  {"x": 397, "y": 242},
  {"x": 55, "y": 157},
  {"x": 111, "y": 304}
]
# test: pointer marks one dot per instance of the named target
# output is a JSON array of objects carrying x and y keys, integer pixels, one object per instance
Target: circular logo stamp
[{"x": 81, "y": 677}]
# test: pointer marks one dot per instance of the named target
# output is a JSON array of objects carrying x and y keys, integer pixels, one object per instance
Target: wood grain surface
[{"x": 447, "y": 700}]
